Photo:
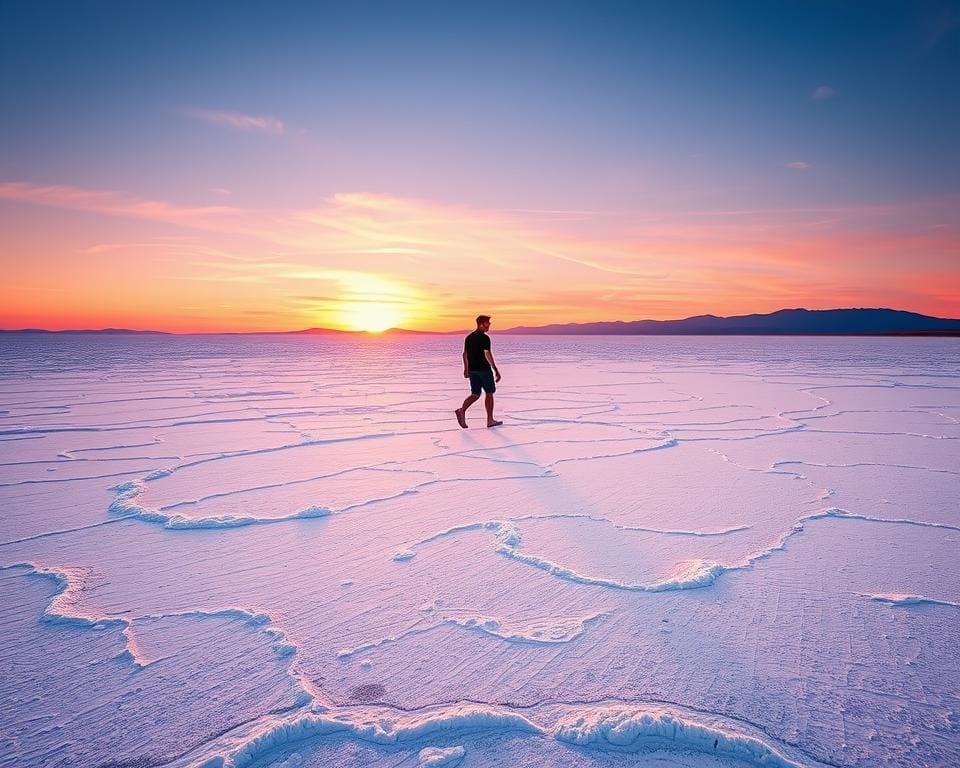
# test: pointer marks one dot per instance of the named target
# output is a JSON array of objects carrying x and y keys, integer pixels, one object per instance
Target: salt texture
[{"x": 283, "y": 551}]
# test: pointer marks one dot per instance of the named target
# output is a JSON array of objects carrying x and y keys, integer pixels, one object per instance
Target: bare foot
[
  {"x": 493, "y": 424},
  {"x": 461, "y": 419}
]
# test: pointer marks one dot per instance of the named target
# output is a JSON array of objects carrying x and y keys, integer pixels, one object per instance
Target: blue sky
[{"x": 543, "y": 96}]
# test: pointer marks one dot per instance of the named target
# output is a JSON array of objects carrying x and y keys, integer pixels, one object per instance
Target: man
[{"x": 479, "y": 367}]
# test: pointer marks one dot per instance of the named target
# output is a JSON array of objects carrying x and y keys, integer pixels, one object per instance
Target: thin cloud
[
  {"x": 108, "y": 247},
  {"x": 554, "y": 214},
  {"x": 799, "y": 165},
  {"x": 822, "y": 93},
  {"x": 396, "y": 251},
  {"x": 110, "y": 203},
  {"x": 239, "y": 121}
]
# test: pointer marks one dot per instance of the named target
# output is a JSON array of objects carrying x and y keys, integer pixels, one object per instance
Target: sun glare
[{"x": 369, "y": 316}]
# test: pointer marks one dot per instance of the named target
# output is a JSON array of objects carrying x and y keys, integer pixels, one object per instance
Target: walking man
[{"x": 479, "y": 367}]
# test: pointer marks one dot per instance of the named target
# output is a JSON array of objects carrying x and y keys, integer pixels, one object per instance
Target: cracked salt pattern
[{"x": 270, "y": 551}]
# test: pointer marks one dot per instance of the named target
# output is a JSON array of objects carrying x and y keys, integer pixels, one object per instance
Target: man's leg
[
  {"x": 488, "y": 402},
  {"x": 461, "y": 412}
]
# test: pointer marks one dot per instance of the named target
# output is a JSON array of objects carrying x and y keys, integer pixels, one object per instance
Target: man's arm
[
  {"x": 489, "y": 355},
  {"x": 466, "y": 366}
]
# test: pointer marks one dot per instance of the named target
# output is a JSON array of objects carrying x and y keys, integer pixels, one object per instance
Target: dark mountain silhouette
[
  {"x": 304, "y": 332},
  {"x": 784, "y": 322}
]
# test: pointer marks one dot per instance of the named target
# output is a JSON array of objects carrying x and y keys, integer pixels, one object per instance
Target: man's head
[{"x": 483, "y": 322}]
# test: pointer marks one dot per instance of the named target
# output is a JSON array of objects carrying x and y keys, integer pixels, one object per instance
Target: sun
[
  {"x": 369, "y": 316},
  {"x": 370, "y": 303}
]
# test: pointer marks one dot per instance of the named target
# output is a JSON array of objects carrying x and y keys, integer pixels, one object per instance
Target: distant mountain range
[
  {"x": 103, "y": 331},
  {"x": 852, "y": 322},
  {"x": 785, "y": 322}
]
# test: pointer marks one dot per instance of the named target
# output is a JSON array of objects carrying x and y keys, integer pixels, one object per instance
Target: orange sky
[{"x": 81, "y": 258}]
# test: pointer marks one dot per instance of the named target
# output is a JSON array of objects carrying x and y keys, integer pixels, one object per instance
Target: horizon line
[{"x": 317, "y": 330}]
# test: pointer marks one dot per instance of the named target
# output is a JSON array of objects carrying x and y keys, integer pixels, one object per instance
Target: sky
[{"x": 240, "y": 166}]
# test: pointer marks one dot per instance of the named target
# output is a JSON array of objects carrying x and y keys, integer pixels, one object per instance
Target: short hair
[{"x": 483, "y": 319}]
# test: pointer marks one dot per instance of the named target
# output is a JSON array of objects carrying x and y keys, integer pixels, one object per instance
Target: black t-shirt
[{"x": 474, "y": 344}]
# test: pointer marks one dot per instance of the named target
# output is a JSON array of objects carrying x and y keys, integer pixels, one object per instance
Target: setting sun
[{"x": 369, "y": 316}]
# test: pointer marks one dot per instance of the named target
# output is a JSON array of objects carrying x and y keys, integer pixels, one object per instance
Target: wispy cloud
[
  {"x": 799, "y": 165},
  {"x": 823, "y": 92},
  {"x": 239, "y": 121},
  {"x": 110, "y": 203}
]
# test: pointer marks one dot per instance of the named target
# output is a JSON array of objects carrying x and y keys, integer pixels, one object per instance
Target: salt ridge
[
  {"x": 547, "y": 631},
  {"x": 125, "y": 505},
  {"x": 625, "y": 728},
  {"x": 894, "y": 598},
  {"x": 379, "y": 728},
  {"x": 436, "y": 757},
  {"x": 692, "y": 574},
  {"x": 634, "y": 729},
  {"x": 62, "y": 609}
]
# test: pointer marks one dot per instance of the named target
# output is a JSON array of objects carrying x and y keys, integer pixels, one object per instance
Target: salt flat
[{"x": 283, "y": 551}]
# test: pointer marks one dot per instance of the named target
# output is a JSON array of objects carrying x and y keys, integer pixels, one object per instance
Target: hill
[{"x": 783, "y": 322}]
